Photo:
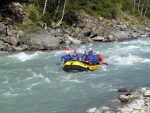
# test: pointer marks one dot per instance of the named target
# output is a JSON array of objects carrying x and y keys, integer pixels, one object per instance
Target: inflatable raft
[{"x": 78, "y": 66}]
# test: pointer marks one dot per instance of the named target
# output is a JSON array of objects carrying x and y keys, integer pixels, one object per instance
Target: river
[{"x": 31, "y": 82}]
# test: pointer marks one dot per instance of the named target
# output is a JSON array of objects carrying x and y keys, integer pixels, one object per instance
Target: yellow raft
[{"x": 78, "y": 66}]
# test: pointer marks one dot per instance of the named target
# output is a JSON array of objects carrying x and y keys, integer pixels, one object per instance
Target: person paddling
[
  {"x": 99, "y": 57},
  {"x": 81, "y": 56},
  {"x": 66, "y": 57},
  {"x": 94, "y": 59},
  {"x": 75, "y": 56},
  {"x": 90, "y": 53}
]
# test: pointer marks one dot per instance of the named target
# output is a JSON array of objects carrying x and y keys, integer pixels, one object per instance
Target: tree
[
  {"x": 143, "y": 7},
  {"x": 134, "y": 5},
  {"x": 146, "y": 8},
  {"x": 58, "y": 24},
  {"x": 45, "y": 4}
]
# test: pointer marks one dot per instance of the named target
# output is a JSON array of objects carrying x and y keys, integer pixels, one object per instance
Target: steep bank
[
  {"x": 133, "y": 102},
  {"x": 19, "y": 33}
]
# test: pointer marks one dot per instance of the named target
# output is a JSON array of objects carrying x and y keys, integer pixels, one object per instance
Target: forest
[{"x": 62, "y": 12}]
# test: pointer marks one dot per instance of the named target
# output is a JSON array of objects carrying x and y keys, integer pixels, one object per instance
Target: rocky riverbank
[
  {"x": 86, "y": 30},
  {"x": 134, "y": 102}
]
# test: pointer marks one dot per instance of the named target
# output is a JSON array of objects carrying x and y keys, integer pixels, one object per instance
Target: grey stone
[
  {"x": 92, "y": 110},
  {"x": 124, "y": 90},
  {"x": 147, "y": 93},
  {"x": 126, "y": 110},
  {"x": 98, "y": 38},
  {"x": 86, "y": 32},
  {"x": 44, "y": 40},
  {"x": 123, "y": 98}
]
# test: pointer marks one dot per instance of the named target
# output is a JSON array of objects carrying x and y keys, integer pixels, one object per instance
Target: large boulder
[
  {"x": 72, "y": 40},
  {"x": 11, "y": 40},
  {"x": 43, "y": 40},
  {"x": 86, "y": 32},
  {"x": 57, "y": 32},
  {"x": 2, "y": 30},
  {"x": 98, "y": 38},
  {"x": 2, "y": 45},
  {"x": 147, "y": 93},
  {"x": 124, "y": 90},
  {"x": 8, "y": 47}
]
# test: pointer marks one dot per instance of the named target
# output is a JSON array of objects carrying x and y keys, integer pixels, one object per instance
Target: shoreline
[
  {"x": 86, "y": 30},
  {"x": 137, "y": 101}
]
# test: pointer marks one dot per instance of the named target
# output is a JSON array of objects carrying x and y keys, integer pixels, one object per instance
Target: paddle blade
[
  {"x": 104, "y": 63},
  {"x": 66, "y": 49},
  {"x": 58, "y": 63}
]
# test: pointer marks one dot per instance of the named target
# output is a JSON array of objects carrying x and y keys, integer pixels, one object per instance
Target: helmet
[
  {"x": 67, "y": 52},
  {"x": 80, "y": 51},
  {"x": 97, "y": 52},
  {"x": 90, "y": 48}
]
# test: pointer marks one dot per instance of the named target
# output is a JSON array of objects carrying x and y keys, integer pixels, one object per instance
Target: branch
[
  {"x": 146, "y": 8},
  {"x": 134, "y": 6},
  {"x": 62, "y": 15},
  {"x": 44, "y": 7},
  {"x": 142, "y": 7},
  {"x": 139, "y": 5}
]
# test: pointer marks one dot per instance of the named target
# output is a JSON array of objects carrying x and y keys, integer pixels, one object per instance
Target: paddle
[
  {"x": 58, "y": 63},
  {"x": 66, "y": 49},
  {"x": 104, "y": 63}
]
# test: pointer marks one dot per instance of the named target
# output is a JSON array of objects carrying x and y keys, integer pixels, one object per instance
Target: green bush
[
  {"x": 32, "y": 13},
  {"x": 47, "y": 18},
  {"x": 33, "y": 16}
]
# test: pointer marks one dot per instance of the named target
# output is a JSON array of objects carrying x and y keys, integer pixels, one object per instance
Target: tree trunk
[
  {"x": 146, "y": 8},
  {"x": 44, "y": 7},
  {"x": 56, "y": 11},
  {"x": 62, "y": 15},
  {"x": 134, "y": 6},
  {"x": 143, "y": 7},
  {"x": 139, "y": 5}
]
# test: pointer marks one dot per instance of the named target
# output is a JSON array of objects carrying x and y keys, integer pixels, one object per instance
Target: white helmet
[
  {"x": 67, "y": 52},
  {"x": 80, "y": 51},
  {"x": 97, "y": 52},
  {"x": 90, "y": 48}
]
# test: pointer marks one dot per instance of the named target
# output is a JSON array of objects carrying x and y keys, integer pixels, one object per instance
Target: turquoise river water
[{"x": 31, "y": 82}]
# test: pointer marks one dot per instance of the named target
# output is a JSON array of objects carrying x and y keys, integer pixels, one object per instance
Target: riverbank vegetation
[{"x": 63, "y": 12}]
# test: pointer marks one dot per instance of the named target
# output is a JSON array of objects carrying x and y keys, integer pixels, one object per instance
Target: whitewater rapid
[{"x": 31, "y": 82}]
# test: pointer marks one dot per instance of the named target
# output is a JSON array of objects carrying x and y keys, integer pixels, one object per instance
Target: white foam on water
[
  {"x": 5, "y": 82},
  {"x": 29, "y": 87},
  {"x": 24, "y": 57},
  {"x": 99, "y": 85},
  {"x": 10, "y": 94},
  {"x": 58, "y": 53},
  {"x": 139, "y": 42},
  {"x": 104, "y": 67},
  {"x": 83, "y": 47},
  {"x": 67, "y": 89},
  {"x": 127, "y": 60},
  {"x": 47, "y": 80},
  {"x": 37, "y": 75},
  {"x": 145, "y": 49},
  {"x": 112, "y": 89},
  {"x": 68, "y": 79}
]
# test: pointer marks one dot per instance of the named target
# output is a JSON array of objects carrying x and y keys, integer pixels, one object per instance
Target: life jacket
[
  {"x": 86, "y": 57},
  {"x": 75, "y": 52},
  {"x": 75, "y": 57},
  {"x": 68, "y": 57},
  {"x": 100, "y": 58},
  {"x": 80, "y": 57},
  {"x": 90, "y": 53}
]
